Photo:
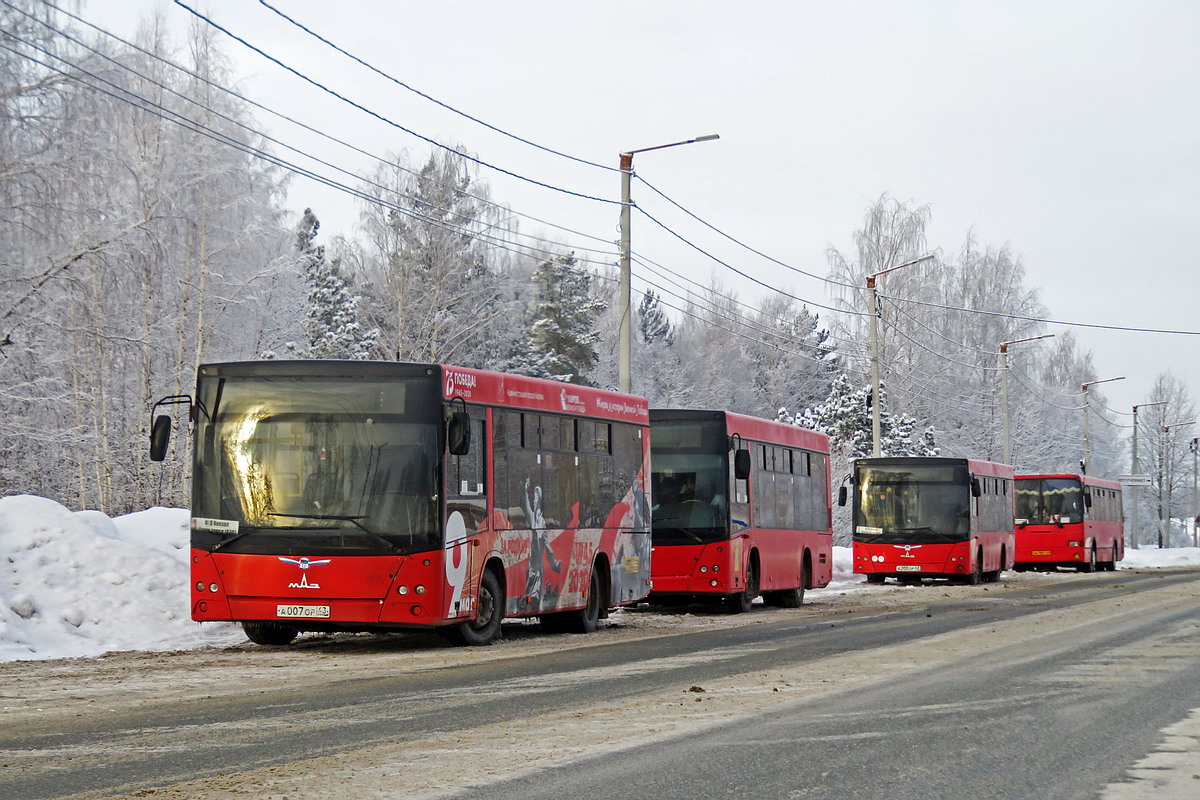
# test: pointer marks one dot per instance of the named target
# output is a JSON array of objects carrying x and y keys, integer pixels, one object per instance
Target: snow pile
[
  {"x": 1153, "y": 557},
  {"x": 81, "y": 584}
]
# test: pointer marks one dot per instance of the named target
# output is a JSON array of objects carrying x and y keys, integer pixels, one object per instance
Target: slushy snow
[{"x": 80, "y": 584}]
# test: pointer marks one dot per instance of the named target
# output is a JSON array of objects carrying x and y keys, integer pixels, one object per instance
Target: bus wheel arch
[
  {"x": 596, "y": 602},
  {"x": 740, "y": 602},
  {"x": 484, "y": 627}
]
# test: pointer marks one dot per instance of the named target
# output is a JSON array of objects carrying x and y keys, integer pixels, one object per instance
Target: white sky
[{"x": 1069, "y": 131}]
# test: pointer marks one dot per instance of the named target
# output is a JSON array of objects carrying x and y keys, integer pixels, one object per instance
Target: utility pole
[
  {"x": 1135, "y": 472},
  {"x": 1004, "y": 390},
  {"x": 1087, "y": 447},
  {"x": 1165, "y": 521},
  {"x": 876, "y": 400},
  {"x": 625, "y": 357}
]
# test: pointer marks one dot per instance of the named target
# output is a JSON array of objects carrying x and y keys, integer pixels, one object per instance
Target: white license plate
[
  {"x": 303, "y": 612},
  {"x": 908, "y": 568}
]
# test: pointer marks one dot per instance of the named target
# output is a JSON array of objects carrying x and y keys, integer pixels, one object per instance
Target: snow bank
[
  {"x": 1153, "y": 557},
  {"x": 82, "y": 584}
]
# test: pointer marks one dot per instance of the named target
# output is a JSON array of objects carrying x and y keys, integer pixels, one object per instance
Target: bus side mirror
[
  {"x": 160, "y": 437},
  {"x": 976, "y": 488},
  {"x": 1087, "y": 499},
  {"x": 842, "y": 493},
  {"x": 458, "y": 433},
  {"x": 741, "y": 464}
]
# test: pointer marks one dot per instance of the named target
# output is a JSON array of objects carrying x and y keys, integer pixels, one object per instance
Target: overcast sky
[{"x": 1068, "y": 131}]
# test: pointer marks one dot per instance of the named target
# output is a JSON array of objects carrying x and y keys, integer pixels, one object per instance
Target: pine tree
[
  {"x": 561, "y": 343},
  {"x": 653, "y": 324},
  {"x": 332, "y": 315}
]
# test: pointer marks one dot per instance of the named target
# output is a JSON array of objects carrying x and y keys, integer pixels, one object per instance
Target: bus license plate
[
  {"x": 1041, "y": 552},
  {"x": 303, "y": 612},
  {"x": 908, "y": 568}
]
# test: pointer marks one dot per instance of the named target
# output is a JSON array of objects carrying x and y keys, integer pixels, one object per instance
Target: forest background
[{"x": 145, "y": 230}]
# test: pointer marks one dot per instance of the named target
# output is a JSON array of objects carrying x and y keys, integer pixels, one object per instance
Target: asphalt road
[{"x": 1048, "y": 716}]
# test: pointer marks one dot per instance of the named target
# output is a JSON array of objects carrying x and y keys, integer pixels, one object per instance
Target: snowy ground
[{"x": 79, "y": 584}]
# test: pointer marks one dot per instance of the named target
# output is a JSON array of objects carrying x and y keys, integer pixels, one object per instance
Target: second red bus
[{"x": 1068, "y": 520}]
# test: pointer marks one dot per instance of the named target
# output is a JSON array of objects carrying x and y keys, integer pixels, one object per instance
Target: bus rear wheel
[
  {"x": 586, "y": 619},
  {"x": 489, "y": 611},
  {"x": 269, "y": 633},
  {"x": 789, "y": 598}
]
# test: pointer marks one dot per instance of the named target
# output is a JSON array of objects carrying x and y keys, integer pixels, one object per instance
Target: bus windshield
[
  {"x": 317, "y": 465},
  {"x": 689, "y": 482},
  {"x": 1049, "y": 501},
  {"x": 911, "y": 503}
]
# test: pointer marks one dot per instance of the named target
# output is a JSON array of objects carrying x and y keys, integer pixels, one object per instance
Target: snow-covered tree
[
  {"x": 561, "y": 342},
  {"x": 332, "y": 315}
]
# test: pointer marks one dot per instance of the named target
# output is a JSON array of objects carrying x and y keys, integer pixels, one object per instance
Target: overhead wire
[
  {"x": 385, "y": 119},
  {"x": 429, "y": 97},
  {"x": 323, "y": 134}
]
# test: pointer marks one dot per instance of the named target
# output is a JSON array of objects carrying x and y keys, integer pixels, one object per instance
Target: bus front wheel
[
  {"x": 269, "y": 633},
  {"x": 489, "y": 611},
  {"x": 741, "y": 602}
]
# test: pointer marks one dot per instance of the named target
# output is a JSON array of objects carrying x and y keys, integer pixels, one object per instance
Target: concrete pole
[
  {"x": 1135, "y": 489},
  {"x": 1004, "y": 402},
  {"x": 623, "y": 289},
  {"x": 876, "y": 433}
]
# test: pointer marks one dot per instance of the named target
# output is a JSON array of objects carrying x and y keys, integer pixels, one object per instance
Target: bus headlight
[{"x": 402, "y": 589}]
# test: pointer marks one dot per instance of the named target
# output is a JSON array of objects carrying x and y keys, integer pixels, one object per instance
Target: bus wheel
[
  {"x": 1090, "y": 564},
  {"x": 976, "y": 576},
  {"x": 586, "y": 619},
  {"x": 876, "y": 577},
  {"x": 789, "y": 598},
  {"x": 489, "y": 611},
  {"x": 743, "y": 601},
  {"x": 269, "y": 633}
]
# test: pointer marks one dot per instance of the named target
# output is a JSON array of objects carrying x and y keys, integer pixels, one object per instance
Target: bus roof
[
  {"x": 750, "y": 428},
  {"x": 472, "y": 385},
  {"x": 1087, "y": 480},
  {"x": 974, "y": 466}
]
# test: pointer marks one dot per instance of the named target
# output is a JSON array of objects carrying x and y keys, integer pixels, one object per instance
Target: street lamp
[
  {"x": 873, "y": 299},
  {"x": 626, "y": 355},
  {"x": 1087, "y": 447},
  {"x": 1195, "y": 446},
  {"x": 1164, "y": 524},
  {"x": 1136, "y": 473},
  {"x": 1004, "y": 389}
]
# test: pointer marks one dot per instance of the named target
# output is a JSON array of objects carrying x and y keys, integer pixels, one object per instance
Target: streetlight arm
[{"x": 707, "y": 138}]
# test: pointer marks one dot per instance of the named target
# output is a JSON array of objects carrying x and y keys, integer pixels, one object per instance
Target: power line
[
  {"x": 428, "y": 97},
  {"x": 715, "y": 229},
  {"x": 308, "y": 128},
  {"x": 1039, "y": 319},
  {"x": 734, "y": 269},
  {"x": 384, "y": 119}
]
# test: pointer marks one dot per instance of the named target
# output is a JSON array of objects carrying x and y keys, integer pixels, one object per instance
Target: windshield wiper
[{"x": 341, "y": 518}]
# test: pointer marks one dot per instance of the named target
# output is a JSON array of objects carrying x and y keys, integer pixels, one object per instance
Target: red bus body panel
[
  {"x": 945, "y": 560},
  {"x": 1070, "y": 544},
  {"x": 720, "y": 568},
  {"x": 441, "y": 586}
]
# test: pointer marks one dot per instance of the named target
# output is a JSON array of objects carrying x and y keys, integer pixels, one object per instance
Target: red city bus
[
  {"x": 741, "y": 508},
  {"x": 1069, "y": 521},
  {"x": 354, "y": 496},
  {"x": 918, "y": 518}
]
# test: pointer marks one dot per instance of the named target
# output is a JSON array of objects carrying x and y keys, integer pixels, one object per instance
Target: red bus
[
  {"x": 918, "y": 518},
  {"x": 355, "y": 496},
  {"x": 1069, "y": 521},
  {"x": 741, "y": 508}
]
